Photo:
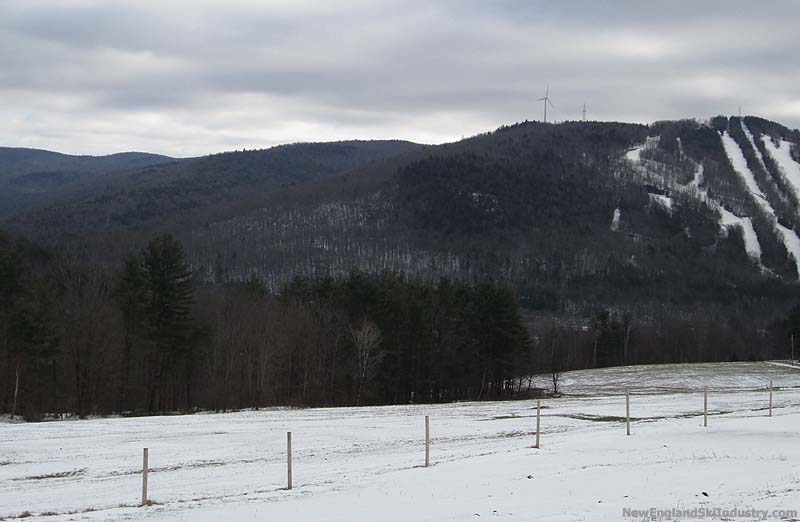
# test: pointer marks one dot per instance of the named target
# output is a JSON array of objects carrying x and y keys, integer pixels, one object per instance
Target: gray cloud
[{"x": 192, "y": 77}]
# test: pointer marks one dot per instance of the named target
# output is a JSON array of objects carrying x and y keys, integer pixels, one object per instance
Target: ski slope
[
  {"x": 693, "y": 189},
  {"x": 739, "y": 163},
  {"x": 749, "y": 136},
  {"x": 729, "y": 219},
  {"x": 781, "y": 153},
  {"x": 635, "y": 154},
  {"x": 362, "y": 464},
  {"x": 788, "y": 236}
]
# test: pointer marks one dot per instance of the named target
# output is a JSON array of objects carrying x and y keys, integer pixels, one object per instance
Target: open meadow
[{"x": 367, "y": 463}]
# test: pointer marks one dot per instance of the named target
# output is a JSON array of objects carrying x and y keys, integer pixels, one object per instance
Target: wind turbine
[
  {"x": 584, "y": 112},
  {"x": 546, "y": 100}
]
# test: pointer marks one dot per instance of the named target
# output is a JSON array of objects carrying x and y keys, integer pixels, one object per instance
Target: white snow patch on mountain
[
  {"x": 664, "y": 201},
  {"x": 615, "y": 220},
  {"x": 792, "y": 243},
  {"x": 634, "y": 155},
  {"x": 698, "y": 177},
  {"x": 729, "y": 219},
  {"x": 781, "y": 153}
]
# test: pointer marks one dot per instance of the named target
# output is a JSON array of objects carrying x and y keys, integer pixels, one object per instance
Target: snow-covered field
[{"x": 354, "y": 464}]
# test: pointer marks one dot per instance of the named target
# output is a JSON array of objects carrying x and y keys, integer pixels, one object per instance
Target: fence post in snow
[
  {"x": 289, "y": 460},
  {"x": 427, "y": 441},
  {"x": 628, "y": 412},
  {"x": 144, "y": 476},
  {"x": 538, "y": 422},
  {"x": 705, "y": 406},
  {"x": 770, "y": 398}
]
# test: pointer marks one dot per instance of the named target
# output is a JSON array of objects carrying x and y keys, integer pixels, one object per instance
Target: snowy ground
[{"x": 359, "y": 464}]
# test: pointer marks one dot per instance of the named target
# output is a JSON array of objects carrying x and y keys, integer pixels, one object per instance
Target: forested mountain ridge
[
  {"x": 19, "y": 161},
  {"x": 31, "y": 178},
  {"x": 388, "y": 272},
  {"x": 165, "y": 193},
  {"x": 571, "y": 214}
]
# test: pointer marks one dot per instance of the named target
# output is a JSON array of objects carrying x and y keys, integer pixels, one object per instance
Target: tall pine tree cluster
[{"x": 154, "y": 294}]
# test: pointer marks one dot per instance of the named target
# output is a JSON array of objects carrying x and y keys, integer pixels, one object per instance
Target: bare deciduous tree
[
  {"x": 556, "y": 375},
  {"x": 556, "y": 361},
  {"x": 366, "y": 338}
]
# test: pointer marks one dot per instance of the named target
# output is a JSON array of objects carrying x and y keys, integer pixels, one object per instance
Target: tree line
[{"x": 147, "y": 338}]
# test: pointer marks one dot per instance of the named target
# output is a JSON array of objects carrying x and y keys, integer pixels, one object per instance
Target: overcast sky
[{"x": 193, "y": 77}]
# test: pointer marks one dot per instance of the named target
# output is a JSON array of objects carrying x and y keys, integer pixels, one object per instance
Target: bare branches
[{"x": 367, "y": 339}]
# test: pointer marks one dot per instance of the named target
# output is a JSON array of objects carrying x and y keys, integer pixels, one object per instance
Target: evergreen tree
[{"x": 168, "y": 311}]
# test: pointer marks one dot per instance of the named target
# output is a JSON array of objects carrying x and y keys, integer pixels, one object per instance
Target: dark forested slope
[
  {"x": 570, "y": 215},
  {"x": 169, "y": 194}
]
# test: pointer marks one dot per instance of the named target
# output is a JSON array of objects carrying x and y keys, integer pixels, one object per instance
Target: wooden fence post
[
  {"x": 705, "y": 406},
  {"x": 427, "y": 441},
  {"x": 628, "y": 412},
  {"x": 538, "y": 421},
  {"x": 145, "y": 469},
  {"x": 770, "y": 398},
  {"x": 289, "y": 460}
]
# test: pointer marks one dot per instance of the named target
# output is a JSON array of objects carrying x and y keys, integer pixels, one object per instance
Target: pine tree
[
  {"x": 154, "y": 293},
  {"x": 169, "y": 293}
]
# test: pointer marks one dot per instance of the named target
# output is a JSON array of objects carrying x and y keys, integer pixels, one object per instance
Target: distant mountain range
[
  {"x": 127, "y": 188},
  {"x": 31, "y": 178},
  {"x": 687, "y": 215}
]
